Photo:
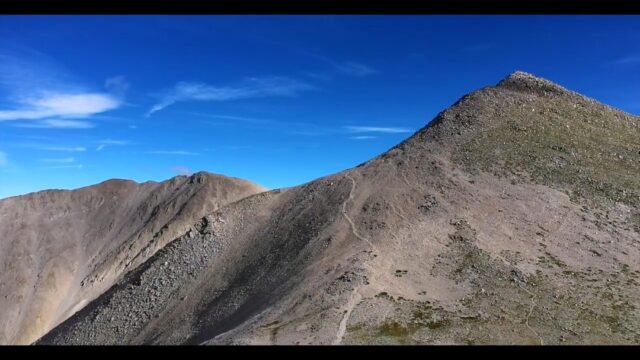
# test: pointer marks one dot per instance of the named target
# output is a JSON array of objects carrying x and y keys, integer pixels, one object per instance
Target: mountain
[
  {"x": 61, "y": 249},
  {"x": 513, "y": 217}
]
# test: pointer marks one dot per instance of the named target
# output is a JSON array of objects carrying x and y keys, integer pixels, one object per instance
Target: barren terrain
[
  {"x": 512, "y": 218},
  {"x": 60, "y": 249}
]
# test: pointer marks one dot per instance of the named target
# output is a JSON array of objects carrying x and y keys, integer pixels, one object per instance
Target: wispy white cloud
[
  {"x": 250, "y": 88},
  {"x": 290, "y": 127},
  {"x": 36, "y": 89},
  {"x": 108, "y": 142},
  {"x": 235, "y": 119},
  {"x": 320, "y": 76},
  {"x": 376, "y": 129},
  {"x": 61, "y": 105},
  {"x": 171, "y": 152},
  {"x": 231, "y": 117},
  {"x": 24, "y": 70},
  {"x": 352, "y": 68},
  {"x": 56, "y": 124},
  {"x": 46, "y": 145},
  {"x": 181, "y": 170},
  {"x": 66, "y": 160},
  {"x": 4, "y": 159},
  {"x": 628, "y": 60},
  {"x": 63, "y": 148},
  {"x": 349, "y": 68},
  {"x": 365, "y": 137},
  {"x": 32, "y": 137},
  {"x": 117, "y": 85},
  {"x": 79, "y": 166}
]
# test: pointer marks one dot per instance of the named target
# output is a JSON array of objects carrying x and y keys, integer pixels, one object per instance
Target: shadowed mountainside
[{"x": 60, "y": 249}]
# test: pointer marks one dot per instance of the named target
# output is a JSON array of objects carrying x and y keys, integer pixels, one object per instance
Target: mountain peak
[
  {"x": 523, "y": 77},
  {"x": 519, "y": 74},
  {"x": 525, "y": 82}
]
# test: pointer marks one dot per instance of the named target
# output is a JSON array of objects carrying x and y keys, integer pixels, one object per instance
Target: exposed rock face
[
  {"x": 512, "y": 218},
  {"x": 61, "y": 249}
]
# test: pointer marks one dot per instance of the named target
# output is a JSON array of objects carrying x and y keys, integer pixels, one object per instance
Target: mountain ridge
[
  {"x": 107, "y": 182},
  {"x": 79, "y": 241},
  {"x": 494, "y": 224}
]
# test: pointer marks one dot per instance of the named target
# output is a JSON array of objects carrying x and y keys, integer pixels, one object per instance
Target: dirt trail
[
  {"x": 526, "y": 321},
  {"x": 235, "y": 328},
  {"x": 397, "y": 213},
  {"x": 355, "y": 297},
  {"x": 346, "y": 216},
  {"x": 351, "y": 304}
]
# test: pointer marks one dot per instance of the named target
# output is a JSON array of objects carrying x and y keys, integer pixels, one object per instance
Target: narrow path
[
  {"x": 351, "y": 304},
  {"x": 395, "y": 196},
  {"x": 355, "y": 294},
  {"x": 254, "y": 317},
  {"x": 404, "y": 178},
  {"x": 346, "y": 216},
  {"x": 533, "y": 296},
  {"x": 526, "y": 321},
  {"x": 396, "y": 212}
]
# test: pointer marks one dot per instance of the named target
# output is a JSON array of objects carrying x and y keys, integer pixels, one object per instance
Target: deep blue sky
[{"x": 279, "y": 100}]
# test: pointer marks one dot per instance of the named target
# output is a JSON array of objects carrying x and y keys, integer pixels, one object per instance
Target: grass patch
[
  {"x": 548, "y": 258},
  {"x": 397, "y": 330},
  {"x": 273, "y": 323}
]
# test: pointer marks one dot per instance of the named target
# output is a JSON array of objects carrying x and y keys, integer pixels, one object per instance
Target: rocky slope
[
  {"x": 61, "y": 249},
  {"x": 512, "y": 218}
]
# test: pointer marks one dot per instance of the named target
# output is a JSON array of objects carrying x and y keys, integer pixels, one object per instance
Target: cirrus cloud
[
  {"x": 37, "y": 88},
  {"x": 627, "y": 60},
  {"x": 79, "y": 166},
  {"x": 353, "y": 68},
  {"x": 377, "y": 129},
  {"x": 66, "y": 160},
  {"x": 273, "y": 86},
  {"x": 61, "y": 105},
  {"x": 108, "y": 142},
  {"x": 63, "y": 148},
  {"x": 56, "y": 124}
]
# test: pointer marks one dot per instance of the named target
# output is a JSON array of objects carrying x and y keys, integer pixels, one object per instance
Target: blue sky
[{"x": 279, "y": 100}]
